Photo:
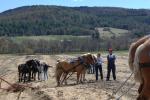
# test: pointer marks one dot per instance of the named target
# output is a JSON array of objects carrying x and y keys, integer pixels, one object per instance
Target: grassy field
[
  {"x": 111, "y": 32},
  {"x": 120, "y": 53},
  {"x": 103, "y": 34},
  {"x": 49, "y": 37}
]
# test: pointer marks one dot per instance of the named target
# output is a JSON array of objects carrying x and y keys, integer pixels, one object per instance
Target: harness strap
[
  {"x": 81, "y": 62},
  {"x": 86, "y": 65},
  {"x": 66, "y": 71},
  {"x": 73, "y": 67},
  {"x": 144, "y": 65}
]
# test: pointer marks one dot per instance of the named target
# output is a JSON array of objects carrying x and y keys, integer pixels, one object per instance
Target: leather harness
[
  {"x": 81, "y": 62},
  {"x": 144, "y": 65}
]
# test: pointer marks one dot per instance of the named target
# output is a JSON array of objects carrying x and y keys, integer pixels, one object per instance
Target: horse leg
[
  {"x": 82, "y": 75},
  {"x": 78, "y": 77},
  {"x": 19, "y": 76},
  {"x": 84, "y": 71},
  {"x": 29, "y": 78},
  {"x": 81, "y": 78},
  {"x": 64, "y": 77},
  {"x": 34, "y": 76},
  {"x": 39, "y": 76},
  {"x": 144, "y": 94},
  {"x": 24, "y": 77},
  {"x": 140, "y": 88},
  {"x": 59, "y": 74}
]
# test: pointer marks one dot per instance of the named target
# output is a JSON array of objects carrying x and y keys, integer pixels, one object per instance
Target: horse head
[
  {"x": 88, "y": 58},
  {"x": 94, "y": 59}
]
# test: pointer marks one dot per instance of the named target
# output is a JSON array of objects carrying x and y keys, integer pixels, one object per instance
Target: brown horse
[
  {"x": 139, "y": 62},
  {"x": 63, "y": 68}
]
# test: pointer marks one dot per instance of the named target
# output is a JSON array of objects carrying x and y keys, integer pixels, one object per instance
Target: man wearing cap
[{"x": 111, "y": 65}]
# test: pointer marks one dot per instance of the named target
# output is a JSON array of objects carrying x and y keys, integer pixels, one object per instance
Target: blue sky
[{"x": 10, "y": 4}]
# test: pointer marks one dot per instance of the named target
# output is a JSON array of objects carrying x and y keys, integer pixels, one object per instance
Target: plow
[{"x": 15, "y": 87}]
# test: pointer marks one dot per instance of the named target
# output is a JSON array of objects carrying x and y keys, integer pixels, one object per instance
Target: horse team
[
  {"x": 30, "y": 68},
  {"x": 80, "y": 65}
]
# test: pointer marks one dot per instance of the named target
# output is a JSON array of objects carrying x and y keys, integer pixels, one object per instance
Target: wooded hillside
[{"x": 57, "y": 20}]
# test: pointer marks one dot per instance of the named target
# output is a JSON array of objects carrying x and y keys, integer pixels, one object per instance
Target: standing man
[
  {"x": 111, "y": 65},
  {"x": 98, "y": 66}
]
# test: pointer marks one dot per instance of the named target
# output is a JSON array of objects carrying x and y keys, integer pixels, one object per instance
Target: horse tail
[
  {"x": 131, "y": 56},
  {"x": 58, "y": 72},
  {"x": 137, "y": 72},
  {"x": 133, "y": 49}
]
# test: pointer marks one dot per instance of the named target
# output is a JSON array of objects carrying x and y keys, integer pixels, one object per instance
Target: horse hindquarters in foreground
[{"x": 140, "y": 65}]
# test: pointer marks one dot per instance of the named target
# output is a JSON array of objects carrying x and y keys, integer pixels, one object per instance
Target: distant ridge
[{"x": 60, "y": 20}]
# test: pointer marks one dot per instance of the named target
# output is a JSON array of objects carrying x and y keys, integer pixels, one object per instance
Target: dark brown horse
[
  {"x": 63, "y": 68},
  {"x": 139, "y": 62},
  {"x": 28, "y": 70},
  {"x": 35, "y": 68},
  {"x": 23, "y": 71}
]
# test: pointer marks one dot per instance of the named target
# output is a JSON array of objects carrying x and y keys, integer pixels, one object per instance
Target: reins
[
  {"x": 126, "y": 91},
  {"x": 114, "y": 93}
]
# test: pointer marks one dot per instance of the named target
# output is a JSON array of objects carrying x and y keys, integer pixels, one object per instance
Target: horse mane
[
  {"x": 131, "y": 55},
  {"x": 86, "y": 54}
]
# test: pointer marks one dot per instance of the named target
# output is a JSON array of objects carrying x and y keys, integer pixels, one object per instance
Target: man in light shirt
[{"x": 98, "y": 66}]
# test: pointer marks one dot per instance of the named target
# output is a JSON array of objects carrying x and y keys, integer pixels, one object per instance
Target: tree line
[{"x": 32, "y": 46}]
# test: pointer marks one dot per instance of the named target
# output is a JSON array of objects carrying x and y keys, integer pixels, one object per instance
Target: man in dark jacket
[{"x": 111, "y": 65}]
